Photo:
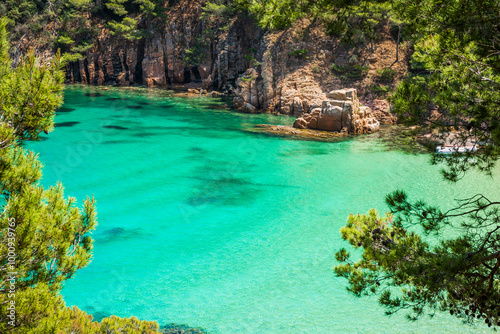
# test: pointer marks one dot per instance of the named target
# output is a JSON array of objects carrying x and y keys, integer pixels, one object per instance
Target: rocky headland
[{"x": 298, "y": 71}]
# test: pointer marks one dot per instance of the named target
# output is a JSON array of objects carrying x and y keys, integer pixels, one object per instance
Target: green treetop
[
  {"x": 459, "y": 102},
  {"x": 44, "y": 238}
]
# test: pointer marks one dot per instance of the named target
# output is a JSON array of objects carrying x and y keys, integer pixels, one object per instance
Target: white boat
[{"x": 450, "y": 149}]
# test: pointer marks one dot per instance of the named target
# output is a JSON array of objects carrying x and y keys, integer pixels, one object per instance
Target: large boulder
[{"x": 340, "y": 112}]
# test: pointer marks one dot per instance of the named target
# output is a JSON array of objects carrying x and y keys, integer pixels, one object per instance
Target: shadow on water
[
  {"x": 40, "y": 138},
  {"x": 116, "y": 127},
  {"x": 99, "y": 315},
  {"x": 65, "y": 109},
  {"x": 115, "y": 233},
  {"x": 399, "y": 138},
  {"x": 118, "y": 142},
  {"x": 93, "y": 94},
  {"x": 145, "y": 134},
  {"x": 223, "y": 194},
  {"x": 116, "y": 99},
  {"x": 66, "y": 124},
  {"x": 223, "y": 189},
  {"x": 306, "y": 151}
]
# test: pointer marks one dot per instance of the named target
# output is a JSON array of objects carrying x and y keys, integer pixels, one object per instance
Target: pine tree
[
  {"x": 44, "y": 237},
  {"x": 459, "y": 101}
]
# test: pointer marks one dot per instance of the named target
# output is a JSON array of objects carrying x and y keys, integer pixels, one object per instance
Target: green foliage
[
  {"x": 71, "y": 57},
  {"x": 298, "y": 53},
  {"x": 379, "y": 89},
  {"x": 386, "y": 75},
  {"x": 350, "y": 71},
  {"x": 355, "y": 21},
  {"x": 275, "y": 14},
  {"x": 117, "y": 7},
  {"x": 84, "y": 47},
  {"x": 249, "y": 58},
  {"x": 462, "y": 93},
  {"x": 458, "y": 100},
  {"x": 247, "y": 79},
  {"x": 19, "y": 10},
  {"x": 151, "y": 8},
  {"x": 193, "y": 56},
  {"x": 127, "y": 28},
  {"x": 457, "y": 274},
  {"x": 64, "y": 40},
  {"x": 80, "y": 4},
  {"x": 44, "y": 237},
  {"x": 216, "y": 10},
  {"x": 51, "y": 237}
]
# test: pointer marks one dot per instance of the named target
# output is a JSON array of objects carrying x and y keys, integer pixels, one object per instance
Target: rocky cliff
[
  {"x": 160, "y": 60},
  {"x": 298, "y": 73},
  {"x": 340, "y": 112},
  {"x": 289, "y": 71}
]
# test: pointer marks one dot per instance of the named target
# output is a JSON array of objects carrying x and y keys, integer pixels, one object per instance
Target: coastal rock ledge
[{"x": 340, "y": 112}]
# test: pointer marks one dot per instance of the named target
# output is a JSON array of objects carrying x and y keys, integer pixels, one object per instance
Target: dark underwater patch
[
  {"x": 66, "y": 124},
  {"x": 98, "y": 316},
  {"x": 147, "y": 134},
  {"x": 65, "y": 109},
  {"x": 116, "y": 127},
  {"x": 93, "y": 94},
  {"x": 119, "y": 233},
  {"x": 176, "y": 329},
  {"x": 115, "y": 98},
  {"x": 114, "y": 231},
  {"x": 116, "y": 142},
  {"x": 40, "y": 138},
  {"x": 217, "y": 107},
  {"x": 225, "y": 190},
  {"x": 135, "y": 107}
]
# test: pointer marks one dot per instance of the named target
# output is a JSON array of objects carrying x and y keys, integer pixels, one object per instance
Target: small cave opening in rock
[
  {"x": 76, "y": 72},
  {"x": 140, "y": 58},
  {"x": 196, "y": 73},
  {"x": 187, "y": 75}
]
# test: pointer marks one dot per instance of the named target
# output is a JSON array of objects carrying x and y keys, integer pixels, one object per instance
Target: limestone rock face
[{"x": 340, "y": 112}]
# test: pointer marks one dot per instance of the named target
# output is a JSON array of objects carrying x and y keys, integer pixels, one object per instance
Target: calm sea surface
[{"x": 205, "y": 223}]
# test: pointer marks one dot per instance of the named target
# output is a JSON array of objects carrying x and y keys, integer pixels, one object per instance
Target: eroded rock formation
[
  {"x": 340, "y": 112},
  {"x": 163, "y": 57}
]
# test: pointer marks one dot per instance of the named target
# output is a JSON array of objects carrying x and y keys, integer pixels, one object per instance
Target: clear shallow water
[{"x": 204, "y": 223}]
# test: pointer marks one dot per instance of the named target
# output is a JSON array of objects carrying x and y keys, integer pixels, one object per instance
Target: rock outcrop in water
[{"x": 340, "y": 112}]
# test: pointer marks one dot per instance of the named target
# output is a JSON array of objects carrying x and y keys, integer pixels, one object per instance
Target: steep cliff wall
[
  {"x": 297, "y": 68},
  {"x": 163, "y": 57},
  {"x": 289, "y": 71}
]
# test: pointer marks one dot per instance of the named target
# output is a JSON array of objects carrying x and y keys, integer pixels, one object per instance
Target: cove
[{"x": 203, "y": 222}]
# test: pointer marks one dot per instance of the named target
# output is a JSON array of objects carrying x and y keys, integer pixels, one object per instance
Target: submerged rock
[
  {"x": 300, "y": 134},
  {"x": 181, "y": 329}
]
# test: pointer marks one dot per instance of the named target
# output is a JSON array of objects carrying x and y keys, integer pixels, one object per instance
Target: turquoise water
[{"x": 205, "y": 223}]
